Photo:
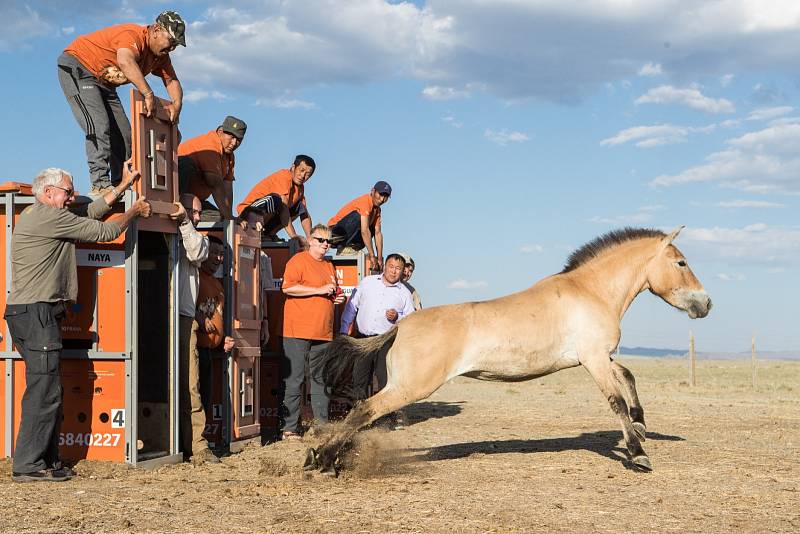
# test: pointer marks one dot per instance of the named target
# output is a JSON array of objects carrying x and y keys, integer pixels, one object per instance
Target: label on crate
[
  {"x": 216, "y": 412},
  {"x": 79, "y": 439},
  {"x": 99, "y": 258},
  {"x": 118, "y": 418},
  {"x": 247, "y": 253}
]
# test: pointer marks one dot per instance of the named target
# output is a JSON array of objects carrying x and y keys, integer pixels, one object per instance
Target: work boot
[
  {"x": 44, "y": 475},
  {"x": 205, "y": 456},
  {"x": 347, "y": 251}
]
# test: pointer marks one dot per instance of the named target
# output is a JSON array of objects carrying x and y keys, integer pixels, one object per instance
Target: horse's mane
[{"x": 594, "y": 248}]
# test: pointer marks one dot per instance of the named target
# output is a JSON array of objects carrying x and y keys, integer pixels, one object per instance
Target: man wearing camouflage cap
[
  {"x": 94, "y": 65},
  {"x": 205, "y": 167}
]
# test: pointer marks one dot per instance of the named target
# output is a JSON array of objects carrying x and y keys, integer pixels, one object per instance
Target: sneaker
[
  {"x": 44, "y": 475},
  {"x": 347, "y": 251},
  {"x": 288, "y": 435},
  {"x": 64, "y": 470},
  {"x": 97, "y": 192},
  {"x": 205, "y": 456}
]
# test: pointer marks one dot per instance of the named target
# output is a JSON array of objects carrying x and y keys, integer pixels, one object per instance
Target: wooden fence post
[
  {"x": 753, "y": 360},
  {"x": 691, "y": 357}
]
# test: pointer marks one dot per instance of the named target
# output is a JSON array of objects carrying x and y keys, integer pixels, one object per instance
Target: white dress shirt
[{"x": 369, "y": 302}]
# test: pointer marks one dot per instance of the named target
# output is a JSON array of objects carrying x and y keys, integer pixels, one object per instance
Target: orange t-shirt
[
  {"x": 280, "y": 183},
  {"x": 97, "y": 51},
  {"x": 308, "y": 317},
  {"x": 364, "y": 206},
  {"x": 210, "y": 301},
  {"x": 206, "y": 152}
]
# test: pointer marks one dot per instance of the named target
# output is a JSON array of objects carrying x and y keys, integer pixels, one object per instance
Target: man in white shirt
[
  {"x": 377, "y": 304},
  {"x": 193, "y": 252}
]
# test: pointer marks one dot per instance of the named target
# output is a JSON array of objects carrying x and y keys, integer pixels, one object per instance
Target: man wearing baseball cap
[
  {"x": 206, "y": 166},
  {"x": 358, "y": 223},
  {"x": 92, "y": 67}
]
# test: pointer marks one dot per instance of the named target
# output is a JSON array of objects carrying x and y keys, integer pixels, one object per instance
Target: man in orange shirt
[
  {"x": 309, "y": 282},
  {"x": 359, "y": 222},
  {"x": 205, "y": 167},
  {"x": 280, "y": 197},
  {"x": 94, "y": 65},
  {"x": 210, "y": 331}
]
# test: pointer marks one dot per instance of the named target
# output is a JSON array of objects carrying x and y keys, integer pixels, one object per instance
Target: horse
[{"x": 565, "y": 320}]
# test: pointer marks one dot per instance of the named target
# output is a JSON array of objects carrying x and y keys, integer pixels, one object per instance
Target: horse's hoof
[
  {"x": 643, "y": 463},
  {"x": 329, "y": 472},
  {"x": 640, "y": 430},
  {"x": 311, "y": 462}
]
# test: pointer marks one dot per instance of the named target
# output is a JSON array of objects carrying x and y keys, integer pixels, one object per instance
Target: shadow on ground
[
  {"x": 422, "y": 411},
  {"x": 605, "y": 443}
]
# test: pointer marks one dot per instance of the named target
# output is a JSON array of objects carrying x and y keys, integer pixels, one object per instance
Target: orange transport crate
[{"x": 94, "y": 421}]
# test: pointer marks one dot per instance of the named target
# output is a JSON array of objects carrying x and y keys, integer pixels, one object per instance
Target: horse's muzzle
[{"x": 699, "y": 304}]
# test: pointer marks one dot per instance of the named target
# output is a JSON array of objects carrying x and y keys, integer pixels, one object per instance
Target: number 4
[{"x": 118, "y": 418}]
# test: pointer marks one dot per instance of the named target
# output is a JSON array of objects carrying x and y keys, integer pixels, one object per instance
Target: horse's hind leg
[
  {"x": 599, "y": 366},
  {"x": 363, "y": 413},
  {"x": 625, "y": 379}
]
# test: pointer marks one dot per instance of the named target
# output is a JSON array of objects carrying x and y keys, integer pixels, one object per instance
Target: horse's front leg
[
  {"x": 599, "y": 366},
  {"x": 625, "y": 379}
]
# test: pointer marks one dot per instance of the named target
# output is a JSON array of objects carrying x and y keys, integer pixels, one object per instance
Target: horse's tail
[{"x": 336, "y": 368}]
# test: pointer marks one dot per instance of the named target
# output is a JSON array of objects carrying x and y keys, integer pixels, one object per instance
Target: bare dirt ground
[{"x": 542, "y": 456}]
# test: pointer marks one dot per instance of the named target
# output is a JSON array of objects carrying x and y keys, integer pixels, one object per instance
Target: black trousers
[
  {"x": 36, "y": 332},
  {"x": 364, "y": 368},
  {"x": 348, "y": 231}
]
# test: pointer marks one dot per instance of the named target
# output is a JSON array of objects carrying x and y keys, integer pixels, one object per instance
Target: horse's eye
[{"x": 681, "y": 263}]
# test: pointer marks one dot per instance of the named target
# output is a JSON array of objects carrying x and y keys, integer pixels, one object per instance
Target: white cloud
[
  {"x": 461, "y": 283},
  {"x": 726, "y": 80},
  {"x": 530, "y": 249},
  {"x": 651, "y": 69},
  {"x": 449, "y": 119},
  {"x": 196, "y": 95},
  {"x": 765, "y": 161},
  {"x": 68, "y": 30},
  {"x": 437, "y": 92},
  {"x": 731, "y": 277},
  {"x": 642, "y": 215},
  {"x": 753, "y": 243},
  {"x": 504, "y": 136},
  {"x": 730, "y": 204},
  {"x": 283, "y": 102},
  {"x": 691, "y": 97},
  {"x": 763, "y": 114},
  {"x": 656, "y": 135},
  {"x": 265, "y": 48}
]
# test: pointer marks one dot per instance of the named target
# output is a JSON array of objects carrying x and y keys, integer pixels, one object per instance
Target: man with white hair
[{"x": 44, "y": 278}]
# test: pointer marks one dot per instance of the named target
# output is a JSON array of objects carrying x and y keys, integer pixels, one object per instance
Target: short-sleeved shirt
[
  {"x": 364, "y": 206},
  {"x": 97, "y": 51},
  {"x": 207, "y": 154},
  {"x": 308, "y": 317},
  {"x": 280, "y": 183},
  {"x": 211, "y": 302}
]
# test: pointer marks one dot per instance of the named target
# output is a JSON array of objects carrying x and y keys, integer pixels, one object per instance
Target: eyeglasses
[
  {"x": 69, "y": 192},
  {"x": 322, "y": 240}
]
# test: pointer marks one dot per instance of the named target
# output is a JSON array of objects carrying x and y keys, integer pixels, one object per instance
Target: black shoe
[
  {"x": 65, "y": 471},
  {"x": 45, "y": 475}
]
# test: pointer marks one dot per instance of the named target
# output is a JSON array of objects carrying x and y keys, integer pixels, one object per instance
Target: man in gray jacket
[
  {"x": 44, "y": 278},
  {"x": 194, "y": 251}
]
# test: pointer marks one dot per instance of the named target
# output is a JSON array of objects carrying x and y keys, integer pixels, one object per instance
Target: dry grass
[{"x": 540, "y": 456}]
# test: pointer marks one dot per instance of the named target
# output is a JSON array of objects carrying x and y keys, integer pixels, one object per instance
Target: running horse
[{"x": 571, "y": 318}]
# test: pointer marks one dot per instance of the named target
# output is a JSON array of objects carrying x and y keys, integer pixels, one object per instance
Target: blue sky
[{"x": 512, "y": 131}]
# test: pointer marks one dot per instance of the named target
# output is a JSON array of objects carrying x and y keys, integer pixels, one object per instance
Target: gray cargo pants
[
  {"x": 100, "y": 114},
  {"x": 36, "y": 332},
  {"x": 299, "y": 355}
]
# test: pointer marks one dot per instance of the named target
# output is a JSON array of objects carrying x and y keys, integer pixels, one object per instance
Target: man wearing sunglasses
[
  {"x": 44, "y": 280},
  {"x": 358, "y": 223},
  {"x": 92, "y": 67}
]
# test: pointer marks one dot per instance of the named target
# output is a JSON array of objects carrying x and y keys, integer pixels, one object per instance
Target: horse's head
[{"x": 670, "y": 277}]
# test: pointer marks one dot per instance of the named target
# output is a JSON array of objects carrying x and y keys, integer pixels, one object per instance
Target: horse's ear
[{"x": 672, "y": 235}]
